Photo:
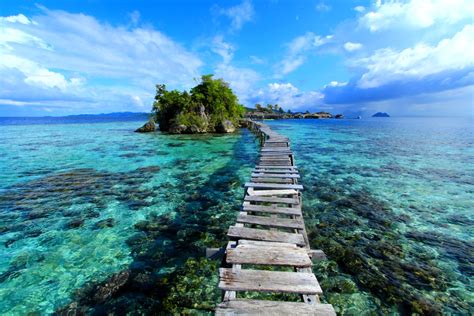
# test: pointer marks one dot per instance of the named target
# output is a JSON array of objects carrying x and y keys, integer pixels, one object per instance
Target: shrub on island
[{"x": 209, "y": 107}]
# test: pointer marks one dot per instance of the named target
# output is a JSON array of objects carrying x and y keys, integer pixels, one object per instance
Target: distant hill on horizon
[{"x": 381, "y": 114}]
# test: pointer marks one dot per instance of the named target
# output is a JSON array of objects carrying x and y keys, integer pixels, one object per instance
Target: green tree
[{"x": 206, "y": 105}]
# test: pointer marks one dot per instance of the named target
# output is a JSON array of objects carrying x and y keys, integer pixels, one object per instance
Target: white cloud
[
  {"x": 60, "y": 50},
  {"x": 387, "y": 65},
  {"x": 35, "y": 74},
  {"x": 359, "y": 9},
  {"x": 9, "y": 35},
  {"x": 336, "y": 84},
  {"x": 239, "y": 14},
  {"x": 297, "y": 50},
  {"x": 241, "y": 80},
  {"x": 223, "y": 49},
  {"x": 20, "y": 18},
  {"x": 350, "y": 46},
  {"x": 289, "y": 97},
  {"x": 417, "y": 14}
]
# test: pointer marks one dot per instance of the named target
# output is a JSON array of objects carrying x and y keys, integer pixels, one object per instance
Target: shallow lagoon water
[{"x": 96, "y": 208}]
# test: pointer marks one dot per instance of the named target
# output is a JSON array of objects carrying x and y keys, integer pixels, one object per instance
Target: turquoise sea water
[{"x": 96, "y": 218}]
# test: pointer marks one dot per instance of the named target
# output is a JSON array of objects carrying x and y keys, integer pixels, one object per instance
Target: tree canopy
[{"x": 208, "y": 104}]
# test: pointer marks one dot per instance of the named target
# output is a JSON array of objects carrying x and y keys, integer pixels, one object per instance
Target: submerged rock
[
  {"x": 148, "y": 127},
  {"x": 109, "y": 222},
  {"x": 225, "y": 126}
]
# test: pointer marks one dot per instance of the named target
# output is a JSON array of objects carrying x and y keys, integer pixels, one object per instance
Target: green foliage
[
  {"x": 206, "y": 105},
  {"x": 194, "y": 288}
]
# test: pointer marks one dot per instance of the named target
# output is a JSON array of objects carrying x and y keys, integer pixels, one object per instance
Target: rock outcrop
[
  {"x": 225, "y": 126},
  {"x": 148, "y": 127}
]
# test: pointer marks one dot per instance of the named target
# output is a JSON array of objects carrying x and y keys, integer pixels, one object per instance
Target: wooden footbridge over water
[{"x": 270, "y": 231}]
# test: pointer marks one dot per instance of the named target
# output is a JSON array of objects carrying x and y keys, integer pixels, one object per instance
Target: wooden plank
[
  {"x": 275, "y": 192},
  {"x": 276, "y": 154},
  {"x": 268, "y": 281},
  {"x": 273, "y": 186},
  {"x": 287, "y": 171},
  {"x": 257, "y": 243},
  {"x": 242, "y": 307},
  {"x": 272, "y": 209},
  {"x": 274, "y": 175},
  {"x": 271, "y": 180},
  {"x": 265, "y": 235},
  {"x": 275, "y": 158},
  {"x": 275, "y": 149},
  {"x": 274, "y": 163},
  {"x": 277, "y": 141},
  {"x": 265, "y": 199},
  {"x": 270, "y": 221},
  {"x": 275, "y": 256},
  {"x": 276, "y": 167}
]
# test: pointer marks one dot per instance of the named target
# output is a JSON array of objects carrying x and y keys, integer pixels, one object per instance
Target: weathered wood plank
[
  {"x": 242, "y": 307},
  {"x": 277, "y": 256},
  {"x": 265, "y": 235},
  {"x": 276, "y": 154},
  {"x": 274, "y": 175},
  {"x": 272, "y": 180},
  {"x": 287, "y": 171},
  {"x": 275, "y": 158},
  {"x": 276, "y": 167},
  {"x": 280, "y": 140},
  {"x": 275, "y": 149},
  {"x": 271, "y": 209},
  {"x": 270, "y": 221},
  {"x": 273, "y": 186},
  {"x": 275, "y": 192},
  {"x": 268, "y": 281},
  {"x": 275, "y": 200},
  {"x": 257, "y": 243},
  {"x": 276, "y": 163}
]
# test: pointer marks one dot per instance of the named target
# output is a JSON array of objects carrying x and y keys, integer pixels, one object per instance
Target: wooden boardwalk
[{"x": 270, "y": 231}]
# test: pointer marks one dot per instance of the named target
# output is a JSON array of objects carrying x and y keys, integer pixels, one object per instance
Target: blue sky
[{"x": 408, "y": 57}]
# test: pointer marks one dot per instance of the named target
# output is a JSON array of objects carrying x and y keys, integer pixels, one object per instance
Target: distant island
[
  {"x": 381, "y": 114},
  {"x": 275, "y": 112}
]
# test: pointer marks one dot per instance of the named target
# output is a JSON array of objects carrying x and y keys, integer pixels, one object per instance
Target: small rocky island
[
  {"x": 209, "y": 107},
  {"x": 381, "y": 114}
]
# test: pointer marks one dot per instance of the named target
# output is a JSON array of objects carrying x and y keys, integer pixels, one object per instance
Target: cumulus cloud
[
  {"x": 350, "y": 46},
  {"x": 388, "y": 65},
  {"x": 289, "y": 97},
  {"x": 297, "y": 50},
  {"x": 359, "y": 9},
  {"x": 242, "y": 80},
  {"x": 60, "y": 52},
  {"x": 20, "y": 18},
  {"x": 417, "y": 14},
  {"x": 239, "y": 14}
]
